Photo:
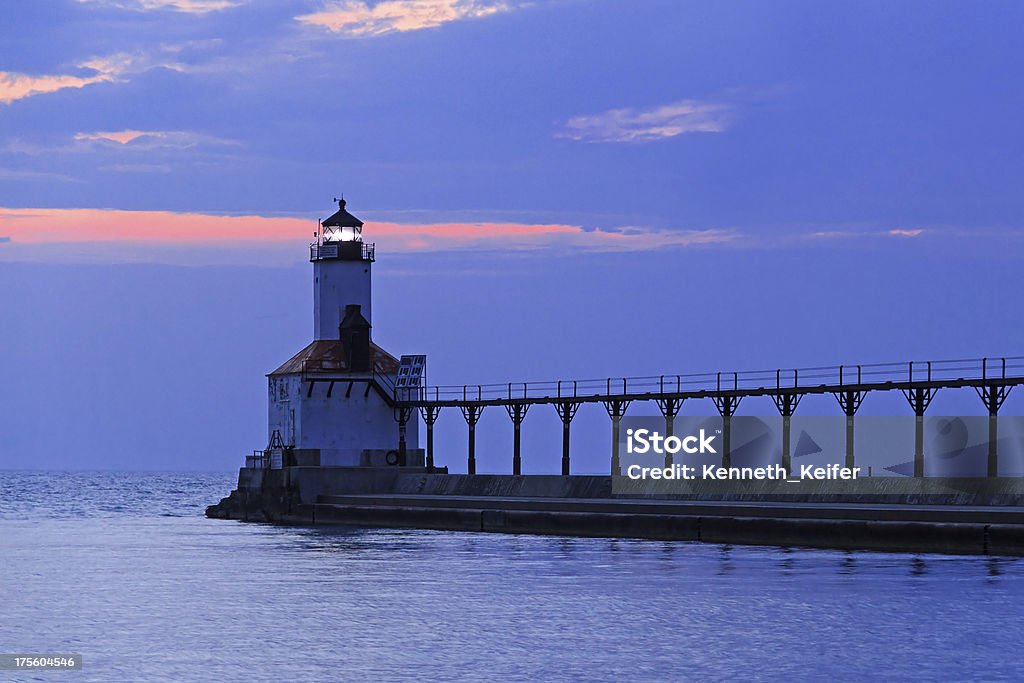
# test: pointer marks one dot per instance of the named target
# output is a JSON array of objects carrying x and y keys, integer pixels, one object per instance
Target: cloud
[
  {"x": 4, "y": 240},
  {"x": 123, "y": 151},
  {"x": 47, "y": 226},
  {"x": 15, "y": 86},
  {"x": 356, "y": 18},
  {"x": 135, "y": 168},
  {"x": 847, "y": 234},
  {"x": 119, "y": 230},
  {"x": 531, "y": 237},
  {"x": 24, "y": 174},
  {"x": 122, "y": 138},
  {"x": 112, "y": 236},
  {"x": 147, "y": 140},
  {"x": 108, "y": 69},
  {"x": 187, "y": 6},
  {"x": 645, "y": 125},
  {"x": 124, "y": 63}
]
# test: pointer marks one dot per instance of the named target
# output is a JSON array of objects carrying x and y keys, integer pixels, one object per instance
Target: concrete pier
[{"x": 954, "y": 519}]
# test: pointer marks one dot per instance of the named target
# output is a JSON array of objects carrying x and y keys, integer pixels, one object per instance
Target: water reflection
[
  {"x": 340, "y": 539},
  {"x": 725, "y": 564},
  {"x": 185, "y": 598},
  {"x": 788, "y": 561},
  {"x": 995, "y": 568}
]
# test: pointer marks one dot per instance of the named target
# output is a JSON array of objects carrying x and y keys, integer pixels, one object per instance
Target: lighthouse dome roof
[{"x": 342, "y": 218}]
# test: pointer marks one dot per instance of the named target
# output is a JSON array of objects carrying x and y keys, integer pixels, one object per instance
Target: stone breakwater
[{"x": 944, "y": 516}]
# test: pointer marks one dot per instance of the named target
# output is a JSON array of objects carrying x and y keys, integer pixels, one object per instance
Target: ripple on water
[{"x": 124, "y": 569}]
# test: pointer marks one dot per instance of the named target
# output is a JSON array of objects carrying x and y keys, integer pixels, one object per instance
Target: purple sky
[{"x": 557, "y": 189}]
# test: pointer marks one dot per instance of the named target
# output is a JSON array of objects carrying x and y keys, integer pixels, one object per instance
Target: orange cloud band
[
  {"x": 48, "y": 226},
  {"x": 358, "y": 18},
  {"x": 15, "y": 86}
]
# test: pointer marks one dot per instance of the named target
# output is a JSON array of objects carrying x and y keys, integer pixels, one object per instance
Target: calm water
[{"x": 124, "y": 569}]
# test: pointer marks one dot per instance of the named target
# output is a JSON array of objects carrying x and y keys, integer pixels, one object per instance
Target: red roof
[{"x": 328, "y": 356}]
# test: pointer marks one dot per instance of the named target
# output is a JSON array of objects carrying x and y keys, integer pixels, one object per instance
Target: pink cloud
[
  {"x": 36, "y": 227},
  {"x": 18, "y": 86},
  {"x": 144, "y": 140},
  {"x": 45, "y": 226},
  {"x": 357, "y": 18},
  {"x": 105, "y": 70},
  {"x": 121, "y": 137},
  {"x": 188, "y": 6},
  {"x": 15, "y": 86}
]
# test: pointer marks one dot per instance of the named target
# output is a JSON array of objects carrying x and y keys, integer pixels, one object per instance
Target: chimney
[{"x": 354, "y": 333}]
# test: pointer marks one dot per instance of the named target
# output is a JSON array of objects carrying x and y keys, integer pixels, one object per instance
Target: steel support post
[
  {"x": 616, "y": 409},
  {"x": 517, "y": 411},
  {"x": 727, "y": 404},
  {"x": 786, "y": 405},
  {"x": 402, "y": 416},
  {"x": 992, "y": 469},
  {"x": 430, "y": 413},
  {"x": 566, "y": 411},
  {"x": 850, "y": 401},
  {"x": 669, "y": 408},
  {"x": 993, "y": 397},
  {"x": 472, "y": 413},
  {"x": 919, "y": 399}
]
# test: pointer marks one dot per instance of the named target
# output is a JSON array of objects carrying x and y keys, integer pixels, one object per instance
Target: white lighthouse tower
[
  {"x": 341, "y": 272},
  {"x": 332, "y": 403}
]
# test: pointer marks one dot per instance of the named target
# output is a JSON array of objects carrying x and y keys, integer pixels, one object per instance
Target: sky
[{"x": 556, "y": 188}]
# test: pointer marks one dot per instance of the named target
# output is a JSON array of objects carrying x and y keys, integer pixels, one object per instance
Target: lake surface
[{"x": 124, "y": 569}]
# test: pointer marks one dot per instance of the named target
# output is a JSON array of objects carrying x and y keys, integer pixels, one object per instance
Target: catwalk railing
[
  {"x": 812, "y": 380},
  {"x": 351, "y": 250},
  {"x": 918, "y": 381}
]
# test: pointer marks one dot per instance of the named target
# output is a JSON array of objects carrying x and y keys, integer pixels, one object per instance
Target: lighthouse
[
  {"x": 332, "y": 403},
  {"x": 341, "y": 272}
]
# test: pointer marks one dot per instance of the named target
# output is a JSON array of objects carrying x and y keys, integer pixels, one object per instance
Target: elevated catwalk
[{"x": 918, "y": 381}]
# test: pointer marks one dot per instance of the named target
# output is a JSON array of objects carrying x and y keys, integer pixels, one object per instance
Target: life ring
[{"x": 391, "y": 458}]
